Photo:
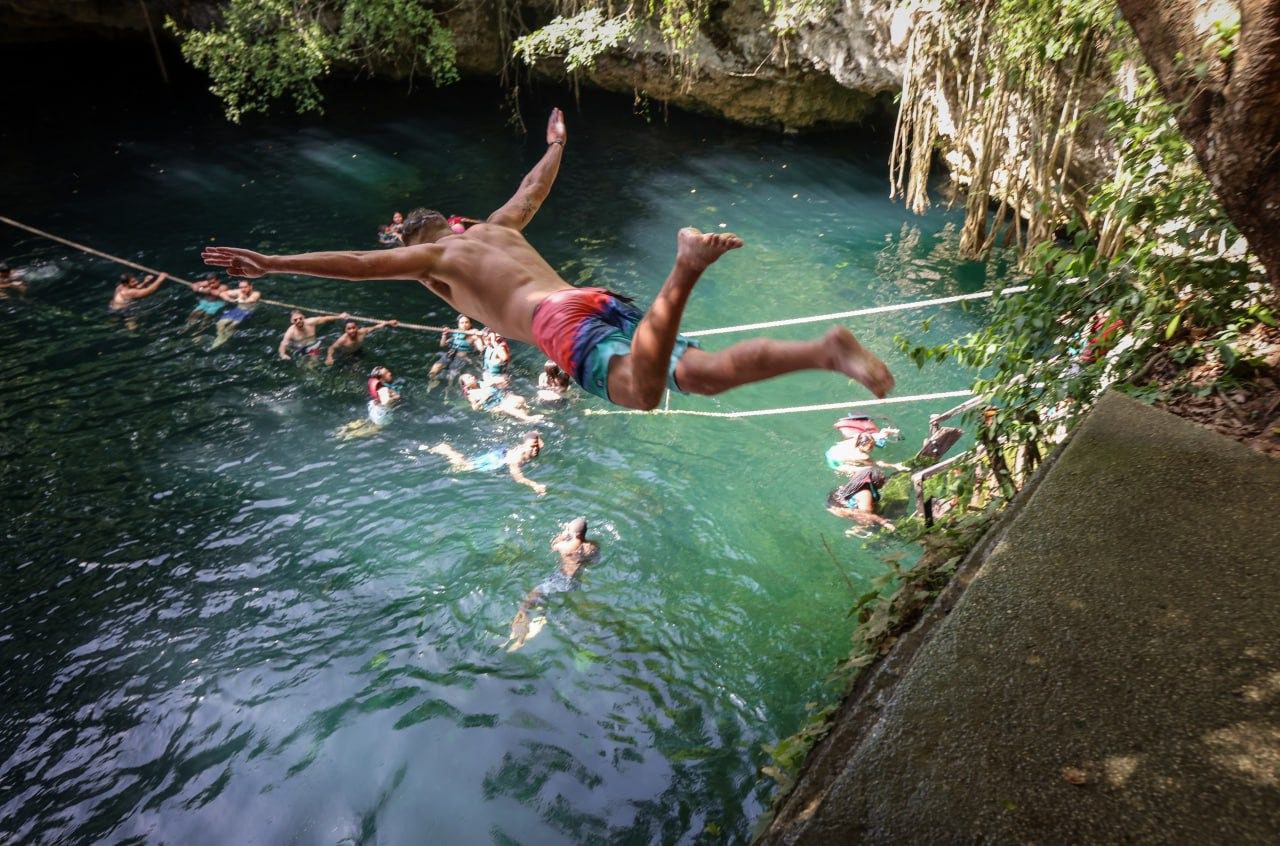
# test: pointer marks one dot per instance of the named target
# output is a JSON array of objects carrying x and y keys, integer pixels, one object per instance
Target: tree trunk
[{"x": 1230, "y": 108}]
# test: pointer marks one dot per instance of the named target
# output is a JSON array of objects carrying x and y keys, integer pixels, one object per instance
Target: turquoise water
[{"x": 222, "y": 624}]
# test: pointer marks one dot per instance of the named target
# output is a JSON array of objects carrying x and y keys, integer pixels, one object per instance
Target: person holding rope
[
  {"x": 492, "y": 274},
  {"x": 244, "y": 300},
  {"x": 351, "y": 341},
  {"x": 456, "y": 347},
  {"x": 301, "y": 337},
  {"x": 127, "y": 294}
]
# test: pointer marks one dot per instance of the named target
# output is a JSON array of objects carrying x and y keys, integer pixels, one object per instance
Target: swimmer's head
[
  {"x": 297, "y": 318},
  {"x": 352, "y": 328},
  {"x": 396, "y": 217},
  {"x": 464, "y": 322},
  {"x": 382, "y": 374},
  {"x": 577, "y": 528},
  {"x": 424, "y": 226},
  {"x": 533, "y": 442},
  {"x": 550, "y": 368},
  {"x": 130, "y": 280},
  {"x": 4, "y": 268},
  {"x": 467, "y": 381},
  {"x": 245, "y": 286}
]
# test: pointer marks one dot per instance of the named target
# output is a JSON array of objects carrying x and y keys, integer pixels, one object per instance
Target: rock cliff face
[{"x": 830, "y": 72}]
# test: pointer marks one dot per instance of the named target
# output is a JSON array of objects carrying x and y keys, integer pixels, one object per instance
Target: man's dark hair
[{"x": 422, "y": 219}]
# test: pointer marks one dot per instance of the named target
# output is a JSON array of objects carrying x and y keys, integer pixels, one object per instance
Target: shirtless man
[
  {"x": 490, "y": 273},
  {"x": 512, "y": 459},
  {"x": 210, "y": 303},
  {"x": 10, "y": 281},
  {"x": 300, "y": 337},
  {"x": 575, "y": 550},
  {"x": 351, "y": 341},
  {"x": 244, "y": 299},
  {"x": 130, "y": 290}
]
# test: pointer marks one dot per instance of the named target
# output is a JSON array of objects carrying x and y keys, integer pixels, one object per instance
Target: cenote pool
[{"x": 221, "y": 624}]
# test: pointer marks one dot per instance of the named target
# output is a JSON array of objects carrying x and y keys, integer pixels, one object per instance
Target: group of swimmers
[
  {"x": 487, "y": 271},
  {"x": 859, "y": 497}
]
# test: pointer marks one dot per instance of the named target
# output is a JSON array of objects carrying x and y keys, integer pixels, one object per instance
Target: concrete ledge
[{"x": 1111, "y": 674}]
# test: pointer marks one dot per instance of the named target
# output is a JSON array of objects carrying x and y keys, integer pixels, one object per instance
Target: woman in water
[
  {"x": 381, "y": 396},
  {"x": 496, "y": 358}
]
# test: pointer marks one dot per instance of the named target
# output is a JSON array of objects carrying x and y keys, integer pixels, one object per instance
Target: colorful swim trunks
[{"x": 582, "y": 329}]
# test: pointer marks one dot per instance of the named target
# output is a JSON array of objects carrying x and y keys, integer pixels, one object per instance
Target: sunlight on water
[{"x": 223, "y": 624}]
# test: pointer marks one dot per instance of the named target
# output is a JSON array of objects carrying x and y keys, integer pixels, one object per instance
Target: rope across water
[
  {"x": 127, "y": 263},
  {"x": 745, "y": 327}
]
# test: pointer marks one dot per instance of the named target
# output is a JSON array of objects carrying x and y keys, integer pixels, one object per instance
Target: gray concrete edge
[{"x": 861, "y": 704}]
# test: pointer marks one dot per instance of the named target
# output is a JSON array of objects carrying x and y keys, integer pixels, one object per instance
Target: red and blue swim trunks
[{"x": 582, "y": 329}]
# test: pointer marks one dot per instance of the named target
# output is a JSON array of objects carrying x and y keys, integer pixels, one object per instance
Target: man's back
[{"x": 491, "y": 274}]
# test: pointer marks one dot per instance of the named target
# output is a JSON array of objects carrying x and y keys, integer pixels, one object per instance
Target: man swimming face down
[{"x": 492, "y": 274}]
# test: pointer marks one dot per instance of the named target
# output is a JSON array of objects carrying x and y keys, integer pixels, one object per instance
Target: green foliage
[
  {"x": 786, "y": 16},
  {"x": 578, "y": 40},
  {"x": 1170, "y": 286},
  {"x": 268, "y": 50},
  {"x": 680, "y": 20}
]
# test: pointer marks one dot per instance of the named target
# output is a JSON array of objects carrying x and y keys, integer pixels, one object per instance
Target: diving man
[{"x": 490, "y": 273}]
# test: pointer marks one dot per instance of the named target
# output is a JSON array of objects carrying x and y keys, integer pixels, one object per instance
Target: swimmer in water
[
  {"x": 496, "y": 358},
  {"x": 613, "y": 349},
  {"x": 381, "y": 397},
  {"x": 485, "y": 397},
  {"x": 512, "y": 459},
  {"x": 11, "y": 280},
  {"x": 576, "y": 550},
  {"x": 300, "y": 337},
  {"x": 853, "y": 454},
  {"x": 553, "y": 383},
  {"x": 127, "y": 294},
  {"x": 351, "y": 341},
  {"x": 210, "y": 303},
  {"x": 457, "y": 347},
  {"x": 856, "y": 500},
  {"x": 244, "y": 300}
]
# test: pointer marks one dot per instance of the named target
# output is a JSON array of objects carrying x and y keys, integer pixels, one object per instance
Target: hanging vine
[{"x": 1013, "y": 110}]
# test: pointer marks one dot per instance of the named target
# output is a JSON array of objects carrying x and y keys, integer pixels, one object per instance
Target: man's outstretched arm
[
  {"x": 534, "y": 188},
  {"x": 402, "y": 263}
]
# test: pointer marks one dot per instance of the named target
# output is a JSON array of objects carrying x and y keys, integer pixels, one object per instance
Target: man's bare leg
[
  {"x": 701, "y": 372},
  {"x": 638, "y": 380},
  {"x": 456, "y": 460}
]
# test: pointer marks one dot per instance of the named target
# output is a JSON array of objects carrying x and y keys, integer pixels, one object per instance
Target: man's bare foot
[
  {"x": 855, "y": 361},
  {"x": 697, "y": 250}
]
